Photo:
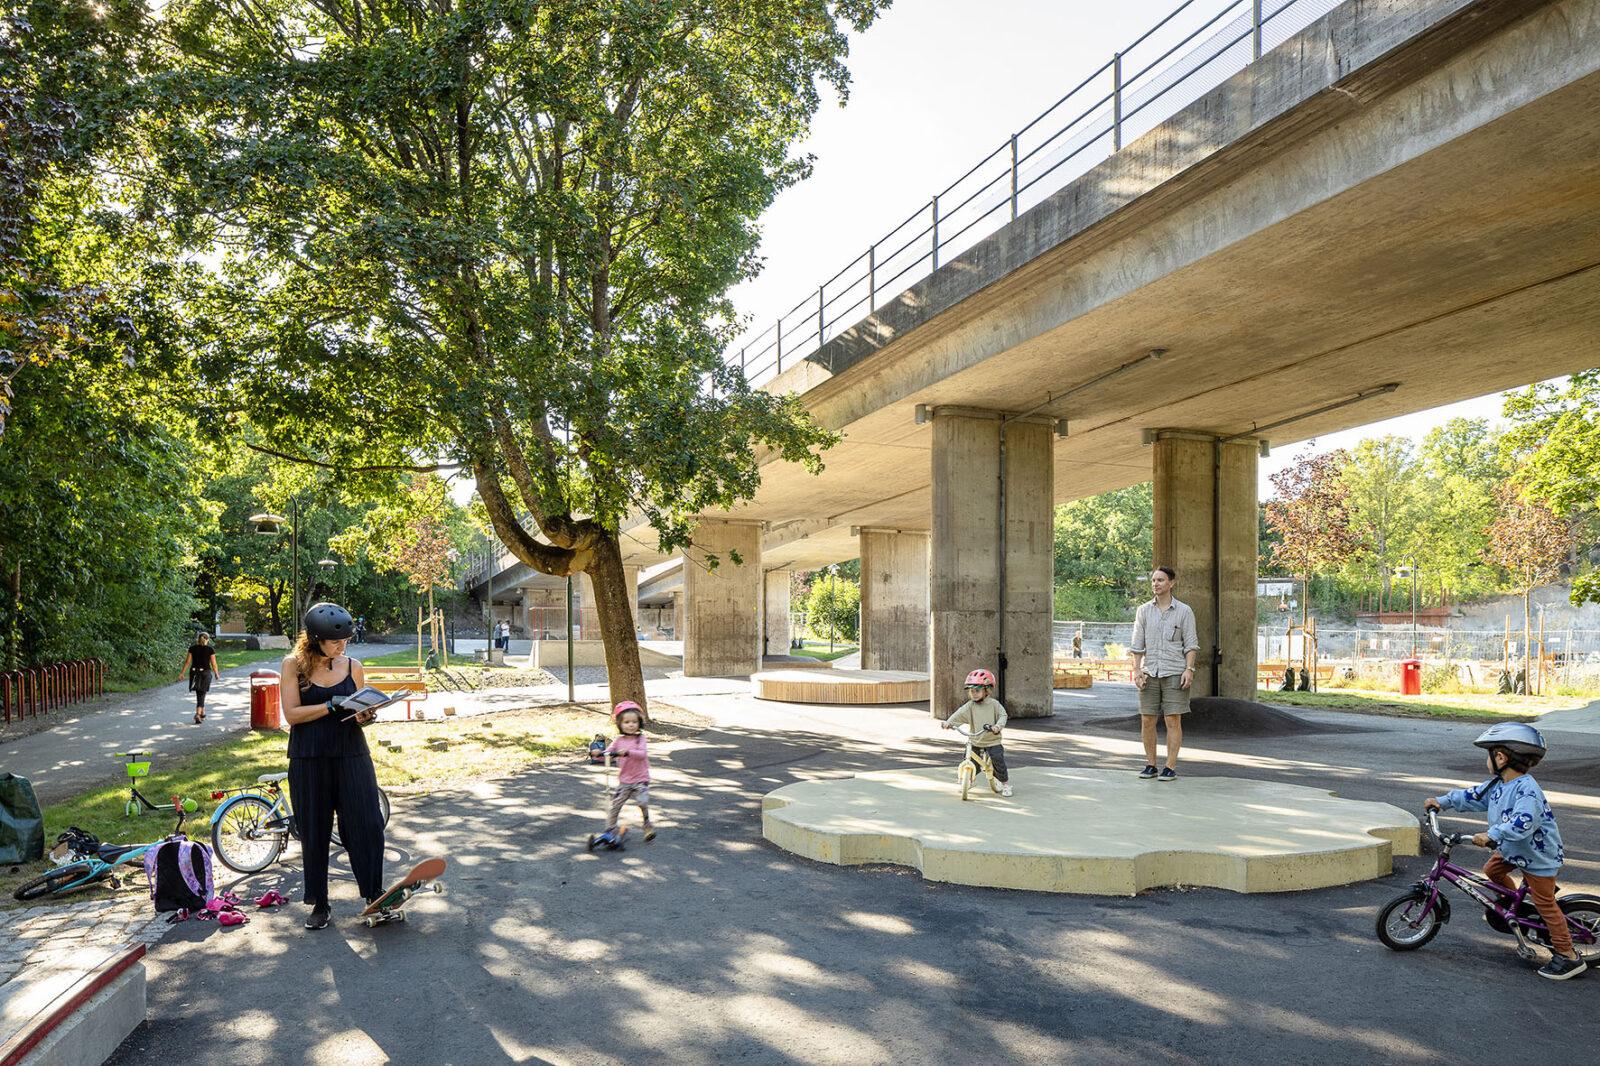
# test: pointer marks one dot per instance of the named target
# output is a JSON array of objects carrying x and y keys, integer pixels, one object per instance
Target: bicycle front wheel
[
  {"x": 966, "y": 775},
  {"x": 241, "y": 837},
  {"x": 59, "y": 881},
  {"x": 1401, "y": 926}
]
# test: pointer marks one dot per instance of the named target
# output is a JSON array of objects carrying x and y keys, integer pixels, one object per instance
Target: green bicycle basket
[{"x": 139, "y": 769}]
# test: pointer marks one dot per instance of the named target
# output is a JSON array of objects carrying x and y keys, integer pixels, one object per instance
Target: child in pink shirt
[{"x": 633, "y": 765}]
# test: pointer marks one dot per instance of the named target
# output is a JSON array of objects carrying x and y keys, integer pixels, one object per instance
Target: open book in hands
[{"x": 369, "y": 699}]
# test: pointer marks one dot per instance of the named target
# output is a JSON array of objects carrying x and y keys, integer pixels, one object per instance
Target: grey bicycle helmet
[
  {"x": 1523, "y": 744},
  {"x": 328, "y": 621}
]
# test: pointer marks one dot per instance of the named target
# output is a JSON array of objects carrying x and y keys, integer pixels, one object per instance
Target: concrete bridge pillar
[
  {"x": 631, "y": 575},
  {"x": 722, "y": 608},
  {"x": 1205, "y": 510},
  {"x": 894, "y": 600},
  {"x": 775, "y": 630},
  {"x": 970, "y": 593}
]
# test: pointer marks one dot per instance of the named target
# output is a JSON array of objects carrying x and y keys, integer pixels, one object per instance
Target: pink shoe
[
  {"x": 231, "y": 918},
  {"x": 271, "y": 898}
]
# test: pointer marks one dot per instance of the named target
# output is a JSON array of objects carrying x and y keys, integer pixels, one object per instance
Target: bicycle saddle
[
  {"x": 270, "y": 779},
  {"x": 112, "y": 852}
]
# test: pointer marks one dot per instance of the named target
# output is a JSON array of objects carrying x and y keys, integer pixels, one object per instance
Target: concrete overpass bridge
[{"x": 1396, "y": 207}]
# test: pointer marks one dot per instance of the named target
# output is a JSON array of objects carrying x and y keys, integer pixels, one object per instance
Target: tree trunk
[
  {"x": 610, "y": 582},
  {"x": 1527, "y": 635}
]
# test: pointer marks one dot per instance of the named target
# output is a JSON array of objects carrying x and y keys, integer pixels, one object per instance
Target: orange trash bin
[
  {"x": 1411, "y": 677},
  {"x": 264, "y": 711}
]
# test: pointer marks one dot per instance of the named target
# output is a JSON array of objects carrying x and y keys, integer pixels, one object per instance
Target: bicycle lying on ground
[
  {"x": 99, "y": 867},
  {"x": 1410, "y": 921},
  {"x": 250, "y": 831},
  {"x": 137, "y": 803},
  {"x": 975, "y": 761}
]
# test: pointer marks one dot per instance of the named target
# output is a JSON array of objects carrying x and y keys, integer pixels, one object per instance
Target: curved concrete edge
[
  {"x": 87, "y": 1020},
  {"x": 1101, "y": 875}
]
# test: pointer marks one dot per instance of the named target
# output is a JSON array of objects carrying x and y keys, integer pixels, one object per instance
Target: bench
[
  {"x": 398, "y": 679},
  {"x": 1270, "y": 674}
]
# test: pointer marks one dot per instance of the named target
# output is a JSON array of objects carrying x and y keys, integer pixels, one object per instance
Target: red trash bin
[
  {"x": 1410, "y": 677},
  {"x": 264, "y": 712}
]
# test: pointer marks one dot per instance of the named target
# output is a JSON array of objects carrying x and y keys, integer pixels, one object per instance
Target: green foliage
[
  {"x": 507, "y": 230},
  {"x": 1096, "y": 604},
  {"x": 98, "y": 508},
  {"x": 1103, "y": 547},
  {"x": 833, "y": 607}
]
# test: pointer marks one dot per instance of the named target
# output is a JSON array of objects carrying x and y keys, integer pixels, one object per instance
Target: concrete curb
[{"x": 87, "y": 1021}]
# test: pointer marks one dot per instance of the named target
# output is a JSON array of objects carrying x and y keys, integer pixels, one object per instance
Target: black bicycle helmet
[{"x": 328, "y": 621}]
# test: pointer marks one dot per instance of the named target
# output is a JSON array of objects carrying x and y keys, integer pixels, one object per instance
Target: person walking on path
[
  {"x": 330, "y": 768},
  {"x": 1077, "y": 644},
  {"x": 1163, "y": 649},
  {"x": 200, "y": 667}
]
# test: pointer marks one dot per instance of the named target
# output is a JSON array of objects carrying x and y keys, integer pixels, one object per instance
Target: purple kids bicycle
[{"x": 1410, "y": 921}]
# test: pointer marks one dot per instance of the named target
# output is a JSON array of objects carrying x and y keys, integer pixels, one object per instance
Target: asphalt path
[
  {"x": 78, "y": 749},
  {"x": 710, "y": 945}
]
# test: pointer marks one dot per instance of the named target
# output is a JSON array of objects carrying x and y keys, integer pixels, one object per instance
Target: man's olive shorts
[{"x": 1163, "y": 696}]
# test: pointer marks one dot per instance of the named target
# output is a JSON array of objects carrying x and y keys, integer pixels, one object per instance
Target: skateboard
[{"x": 389, "y": 906}]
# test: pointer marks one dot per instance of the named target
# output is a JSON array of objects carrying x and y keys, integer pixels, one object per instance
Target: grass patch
[
  {"x": 228, "y": 658},
  {"x": 474, "y": 749},
  {"x": 821, "y": 652},
  {"x": 1465, "y": 707}
]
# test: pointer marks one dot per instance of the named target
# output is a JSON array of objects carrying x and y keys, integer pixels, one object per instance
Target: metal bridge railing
[{"x": 1174, "y": 63}]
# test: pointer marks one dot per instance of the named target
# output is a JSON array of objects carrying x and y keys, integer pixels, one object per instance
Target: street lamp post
[
  {"x": 271, "y": 525},
  {"x": 1410, "y": 574}
]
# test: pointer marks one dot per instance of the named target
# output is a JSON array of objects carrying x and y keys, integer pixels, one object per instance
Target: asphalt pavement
[{"x": 710, "y": 945}]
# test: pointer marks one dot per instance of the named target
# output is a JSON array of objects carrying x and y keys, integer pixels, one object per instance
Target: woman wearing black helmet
[{"x": 330, "y": 769}]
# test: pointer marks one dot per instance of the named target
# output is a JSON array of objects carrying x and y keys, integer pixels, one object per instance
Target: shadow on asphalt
[{"x": 710, "y": 945}]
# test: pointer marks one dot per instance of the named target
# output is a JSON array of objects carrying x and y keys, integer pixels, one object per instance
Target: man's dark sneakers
[
  {"x": 1168, "y": 774},
  {"x": 1147, "y": 773},
  {"x": 318, "y": 918},
  {"x": 1559, "y": 968}
]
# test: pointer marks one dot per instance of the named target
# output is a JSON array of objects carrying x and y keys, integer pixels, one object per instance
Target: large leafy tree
[
  {"x": 1309, "y": 516},
  {"x": 1531, "y": 541},
  {"x": 498, "y": 233},
  {"x": 1460, "y": 470},
  {"x": 1103, "y": 546},
  {"x": 1554, "y": 439},
  {"x": 1381, "y": 478}
]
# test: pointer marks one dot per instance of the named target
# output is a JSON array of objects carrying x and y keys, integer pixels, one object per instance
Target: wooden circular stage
[{"x": 840, "y": 686}]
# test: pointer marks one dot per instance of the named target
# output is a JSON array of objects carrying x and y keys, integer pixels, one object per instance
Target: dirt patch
[
  {"x": 1217, "y": 717},
  {"x": 420, "y": 755}
]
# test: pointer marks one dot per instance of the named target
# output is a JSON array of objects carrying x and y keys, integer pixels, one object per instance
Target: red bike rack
[{"x": 34, "y": 690}]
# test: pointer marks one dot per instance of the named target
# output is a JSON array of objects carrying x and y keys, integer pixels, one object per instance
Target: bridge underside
[{"x": 1406, "y": 195}]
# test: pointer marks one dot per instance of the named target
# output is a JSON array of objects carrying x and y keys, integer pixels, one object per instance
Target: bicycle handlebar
[
  {"x": 970, "y": 736},
  {"x": 1449, "y": 840},
  {"x": 130, "y": 754}
]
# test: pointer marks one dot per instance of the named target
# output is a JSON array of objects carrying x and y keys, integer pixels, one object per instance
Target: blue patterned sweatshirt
[{"x": 1521, "y": 823}]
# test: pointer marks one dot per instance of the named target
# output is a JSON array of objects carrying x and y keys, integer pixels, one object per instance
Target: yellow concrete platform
[
  {"x": 840, "y": 686},
  {"x": 1099, "y": 832}
]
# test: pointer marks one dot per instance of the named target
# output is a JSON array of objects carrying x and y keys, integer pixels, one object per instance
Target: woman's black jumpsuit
[{"x": 330, "y": 771}]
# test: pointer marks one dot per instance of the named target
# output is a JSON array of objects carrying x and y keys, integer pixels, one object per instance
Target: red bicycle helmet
[
  {"x": 980, "y": 677},
  {"x": 622, "y": 708}
]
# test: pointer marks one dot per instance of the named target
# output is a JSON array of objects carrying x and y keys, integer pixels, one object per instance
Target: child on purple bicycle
[{"x": 1522, "y": 830}]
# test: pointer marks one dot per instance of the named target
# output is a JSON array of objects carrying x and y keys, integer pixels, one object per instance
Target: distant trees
[
  {"x": 1529, "y": 541},
  {"x": 1103, "y": 546},
  {"x": 1310, "y": 516}
]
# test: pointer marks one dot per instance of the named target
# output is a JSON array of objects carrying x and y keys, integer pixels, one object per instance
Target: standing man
[
  {"x": 1077, "y": 644},
  {"x": 1164, "y": 646}
]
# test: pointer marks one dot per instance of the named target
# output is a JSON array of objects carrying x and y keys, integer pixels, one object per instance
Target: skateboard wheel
[
  {"x": 437, "y": 887},
  {"x": 370, "y": 922},
  {"x": 400, "y": 916}
]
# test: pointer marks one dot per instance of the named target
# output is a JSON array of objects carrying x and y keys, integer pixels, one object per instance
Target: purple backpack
[{"x": 180, "y": 875}]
